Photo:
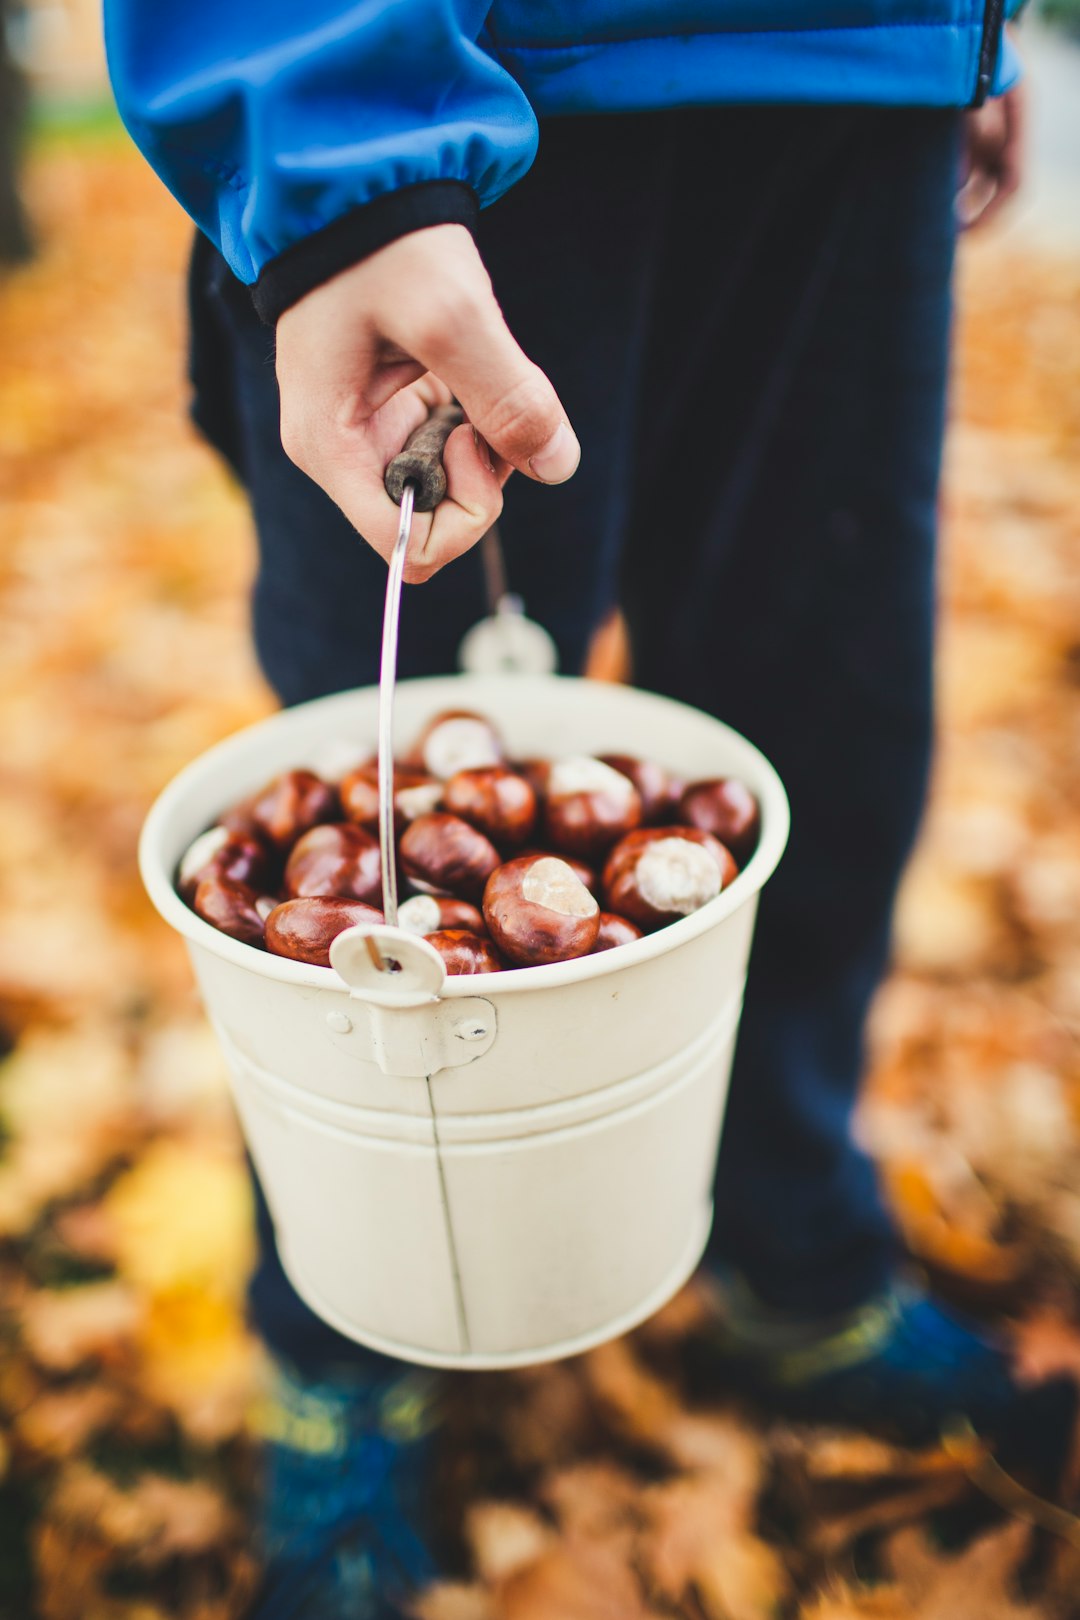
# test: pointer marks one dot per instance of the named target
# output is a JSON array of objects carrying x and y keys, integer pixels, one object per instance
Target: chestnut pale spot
[
  {"x": 412, "y": 802},
  {"x": 460, "y": 745},
  {"x": 580, "y": 774},
  {"x": 550, "y": 882},
  {"x": 201, "y": 852},
  {"x": 335, "y": 758},
  {"x": 677, "y": 876},
  {"x": 420, "y": 915}
]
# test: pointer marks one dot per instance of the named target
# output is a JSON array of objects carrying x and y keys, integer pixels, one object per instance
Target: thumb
[{"x": 506, "y": 397}]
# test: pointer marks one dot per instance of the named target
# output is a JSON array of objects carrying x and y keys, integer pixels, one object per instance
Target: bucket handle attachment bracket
[{"x": 412, "y": 1030}]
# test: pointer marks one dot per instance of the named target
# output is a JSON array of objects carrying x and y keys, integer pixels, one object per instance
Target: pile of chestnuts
[{"x": 505, "y": 864}]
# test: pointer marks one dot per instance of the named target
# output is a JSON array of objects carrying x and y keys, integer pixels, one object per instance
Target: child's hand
[
  {"x": 364, "y": 357},
  {"x": 993, "y": 158}
]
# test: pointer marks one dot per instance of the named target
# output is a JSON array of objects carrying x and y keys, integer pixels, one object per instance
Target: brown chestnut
[
  {"x": 465, "y": 952},
  {"x": 238, "y": 819},
  {"x": 725, "y": 807},
  {"x": 497, "y": 801},
  {"x": 288, "y": 806},
  {"x": 232, "y": 908},
  {"x": 305, "y": 929},
  {"x": 535, "y": 772},
  {"x": 237, "y": 856},
  {"x": 537, "y": 911},
  {"x": 434, "y": 914},
  {"x": 588, "y": 807},
  {"x": 414, "y": 795},
  {"x": 446, "y": 854},
  {"x": 615, "y": 931},
  {"x": 458, "y": 740},
  {"x": 335, "y": 858},
  {"x": 659, "y": 874},
  {"x": 658, "y": 789}
]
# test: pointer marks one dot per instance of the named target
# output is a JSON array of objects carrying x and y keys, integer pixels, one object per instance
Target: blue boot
[
  {"x": 346, "y": 1517},
  {"x": 898, "y": 1366}
]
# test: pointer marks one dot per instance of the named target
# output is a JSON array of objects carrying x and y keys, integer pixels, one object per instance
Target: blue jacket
[{"x": 300, "y": 136}]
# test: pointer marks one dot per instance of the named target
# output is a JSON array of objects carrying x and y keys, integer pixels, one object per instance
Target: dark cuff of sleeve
[{"x": 356, "y": 235}]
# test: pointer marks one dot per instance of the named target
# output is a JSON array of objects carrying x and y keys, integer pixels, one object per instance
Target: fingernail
[
  {"x": 558, "y": 460},
  {"x": 483, "y": 451}
]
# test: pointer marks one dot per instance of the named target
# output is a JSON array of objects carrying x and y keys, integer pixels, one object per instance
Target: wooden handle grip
[{"x": 420, "y": 462}]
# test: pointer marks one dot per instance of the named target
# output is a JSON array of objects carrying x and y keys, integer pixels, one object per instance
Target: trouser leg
[{"x": 780, "y": 575}]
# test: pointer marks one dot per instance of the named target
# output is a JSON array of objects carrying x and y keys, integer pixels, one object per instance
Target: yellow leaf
[{"x": 182, "y": 1219}]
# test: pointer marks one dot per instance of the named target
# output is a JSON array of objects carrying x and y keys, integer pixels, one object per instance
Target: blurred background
[{"x": 126, "y": 1375}]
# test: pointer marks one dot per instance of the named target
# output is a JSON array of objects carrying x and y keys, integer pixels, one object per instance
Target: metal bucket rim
[{"x": 157, "y": 876}]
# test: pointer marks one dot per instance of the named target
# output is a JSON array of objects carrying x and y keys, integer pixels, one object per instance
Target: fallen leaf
[
  {"x": 155, "y": 1519},
  {"x": 720, "y": 1443},
  {"x": 1047, "y": 1343},
  {"x": 60, "y": 1423},
  {"x": 62, "y": 1328},
  {"x": 454, "y": 1600},
  {"x": 849, "y": 1457},
  {"x": 632, "y": 1398},
  {"x": 580, "y": 1581},
  {"x": 976, "y": 1584},
  {"x": 844, "y": 1602},
  {"x": 699, "y": 1543},
  {"x": 199, "y": 1361},
  {"x": 595, "y": 1501},
  {"x": 503, "y": 1537},
  {"x": 182, "y": 1218},
  {"x": 951, "y": 1224}
]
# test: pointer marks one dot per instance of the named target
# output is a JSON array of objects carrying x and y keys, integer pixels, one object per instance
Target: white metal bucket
[{"x": 494, "y": 1170}]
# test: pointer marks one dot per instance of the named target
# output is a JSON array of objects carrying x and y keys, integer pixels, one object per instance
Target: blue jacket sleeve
[{"x": 301, "y": 135}]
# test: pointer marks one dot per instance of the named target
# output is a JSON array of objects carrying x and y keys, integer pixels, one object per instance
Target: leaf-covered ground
[{"x": 593, "y": 1491}]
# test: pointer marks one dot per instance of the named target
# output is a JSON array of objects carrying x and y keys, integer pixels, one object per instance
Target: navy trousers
[{"x": 746, "y": 313}]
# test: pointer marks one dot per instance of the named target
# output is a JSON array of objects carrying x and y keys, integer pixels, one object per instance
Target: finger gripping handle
[{"x": 420, "y": 462}]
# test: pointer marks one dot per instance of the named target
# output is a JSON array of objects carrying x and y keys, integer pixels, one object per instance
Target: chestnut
[
  {"x": 432, "y": 914},
  {"x": 658, "y": 789},
  {"x": 465, "y": 952},
  {"x": 537, "y": 910},
  {"x": 725, "y": 807},
  {"x": 535, "y": 772},
  {"x": 414, "y": 795},
  {"x": 659, "y": 874},
  {"x": 457, "y": 740},
  {"x": 231, "y": 907},
  {"x": 335, "y": 858},
  {"x": 615, "y": 931},
  {"x": 239, "y": 820},
  {"x": 305, "y": 929},
  {"x": 493, "y": 798},
  {"x": 588, "y": 807},
  {"x": 218, "y": 852},
  {"x": 289, "y": 805},
  {"x": 447, "y": 855}
]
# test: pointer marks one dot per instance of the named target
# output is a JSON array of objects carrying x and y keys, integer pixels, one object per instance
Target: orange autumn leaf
[{"x": 699, "y": 1543}]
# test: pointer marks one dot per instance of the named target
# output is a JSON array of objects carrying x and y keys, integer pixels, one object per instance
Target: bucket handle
[
  {"x": 416, "y": 480},
  {"x": 409, "y": 1029},
  {"x": 387, "y": 966}
]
